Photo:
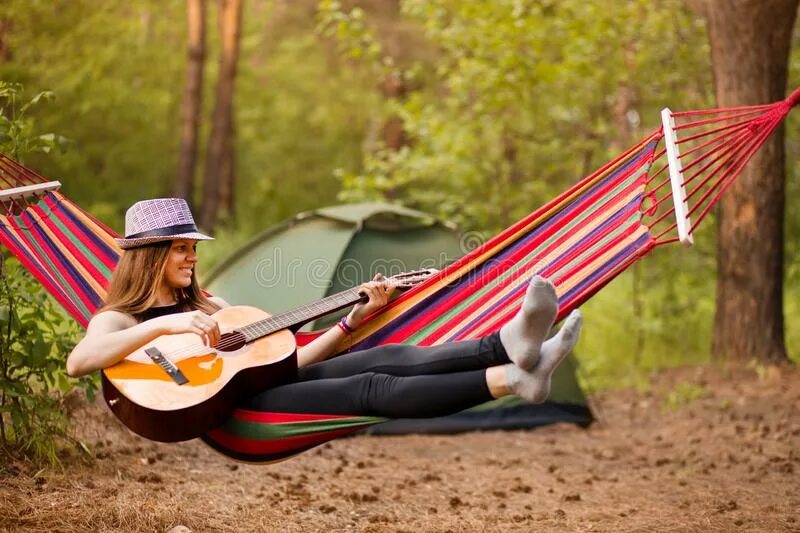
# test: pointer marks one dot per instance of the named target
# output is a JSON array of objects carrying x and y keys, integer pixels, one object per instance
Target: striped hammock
[{"x": 581, "y": 240}]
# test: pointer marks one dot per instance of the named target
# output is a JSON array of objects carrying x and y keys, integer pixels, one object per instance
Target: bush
[{"x": 35, "y": 338}]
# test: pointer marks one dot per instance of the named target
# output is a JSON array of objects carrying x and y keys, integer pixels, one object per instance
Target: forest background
[{"x": 428, "y": 104}]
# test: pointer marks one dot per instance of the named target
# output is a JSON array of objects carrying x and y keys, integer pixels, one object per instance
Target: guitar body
[{"x": 152, "y": 403}]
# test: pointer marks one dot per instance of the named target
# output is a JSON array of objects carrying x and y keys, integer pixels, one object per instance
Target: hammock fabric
[{"x": 581, "y": 240}]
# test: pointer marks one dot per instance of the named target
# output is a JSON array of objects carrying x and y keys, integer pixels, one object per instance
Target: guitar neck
[{"x": 295, "y": 318}]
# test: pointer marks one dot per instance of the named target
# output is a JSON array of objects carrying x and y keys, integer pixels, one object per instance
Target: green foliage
[
  {"x": 16, "y": 126},
  {"x": 519, "y": 108},
  {"x": 35, "y": 335},
  {"x": 116, "y": 72},
  {"x": 349, "y": 31},
  {"x": 621, "y": 347},
  {"x": 301, "y": 114},
  {"x": 118, "y": 69}
]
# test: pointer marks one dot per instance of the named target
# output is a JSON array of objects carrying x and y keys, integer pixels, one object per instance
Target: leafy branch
[{"x": 17, "y": 137}]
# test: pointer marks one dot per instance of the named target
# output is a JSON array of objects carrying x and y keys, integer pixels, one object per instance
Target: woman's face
[{"x": 180, "y": 263}]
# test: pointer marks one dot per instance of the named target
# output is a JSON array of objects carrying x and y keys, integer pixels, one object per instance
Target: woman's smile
[{"x": 180, "y": 262}]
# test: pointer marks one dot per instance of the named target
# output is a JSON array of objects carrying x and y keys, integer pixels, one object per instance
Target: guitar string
[
  {"x": 201, "y": 349},
  {"x": 276, "y": 323}
]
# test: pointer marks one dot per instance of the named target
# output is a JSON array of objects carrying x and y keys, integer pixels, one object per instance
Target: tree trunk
[
  {"x": 227, "y": 174},
  {"x": 393, "y": 87},
  {"x": 5, "y": 51},
  {"x": 750, "y": 42},
  {"x": 192, "y": 99},
  {"x": 220, "y": 145}
]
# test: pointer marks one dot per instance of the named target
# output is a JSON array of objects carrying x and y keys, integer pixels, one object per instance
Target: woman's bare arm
[
  {"x": 324, "y": 346},
  {"x": 110, "y": 337},
  {"x": 320, "y": 348}
]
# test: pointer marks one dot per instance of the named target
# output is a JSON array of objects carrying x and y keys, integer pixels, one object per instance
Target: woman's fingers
[
  {"x": 371, "y": 293},
  {"x": 370, "y": 289},
  {"x": 201, "y": 333},
  {"x": 213, "y": 335},
  {"x": 381, "y": 291},
  {"x": 377, "y": 292},
  {"x": 216, "y": 334},
  {"x": 207, "y": 328}
]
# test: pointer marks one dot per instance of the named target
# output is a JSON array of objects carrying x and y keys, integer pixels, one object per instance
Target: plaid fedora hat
[{"x": 157, "y": 220}]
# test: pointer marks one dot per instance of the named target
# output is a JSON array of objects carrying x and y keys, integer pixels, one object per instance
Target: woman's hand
[
  {"x": 192, "y": 322},
  {"x": 378, "y": 292}
]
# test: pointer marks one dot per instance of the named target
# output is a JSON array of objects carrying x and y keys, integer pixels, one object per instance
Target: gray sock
[
  {"x": 523, "y": 335},
  {"x": 534, "y": 385}
]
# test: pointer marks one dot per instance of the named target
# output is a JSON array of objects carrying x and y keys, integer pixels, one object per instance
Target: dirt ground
[{"x": 665, "y": 460}]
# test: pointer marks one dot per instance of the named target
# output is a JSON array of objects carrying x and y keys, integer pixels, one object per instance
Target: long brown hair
[{"x": 135, "y": 282}]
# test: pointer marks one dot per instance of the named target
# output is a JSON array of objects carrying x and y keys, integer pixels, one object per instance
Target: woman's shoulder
[{"x": 111, "y": 320}]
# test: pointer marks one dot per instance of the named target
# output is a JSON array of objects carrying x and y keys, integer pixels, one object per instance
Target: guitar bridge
[{"x": 167, "y": 365}]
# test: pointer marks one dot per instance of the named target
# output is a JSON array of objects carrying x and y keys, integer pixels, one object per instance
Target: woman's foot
[
  {"x": 523, "y": 335},
  {"x": 534, "y": 385}
]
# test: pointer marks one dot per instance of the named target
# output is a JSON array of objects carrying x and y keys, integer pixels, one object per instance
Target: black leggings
[{"x": 396, "y": 380}]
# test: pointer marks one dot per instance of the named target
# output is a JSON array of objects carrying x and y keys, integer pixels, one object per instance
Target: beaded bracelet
[{"x": 344, "y": 326}]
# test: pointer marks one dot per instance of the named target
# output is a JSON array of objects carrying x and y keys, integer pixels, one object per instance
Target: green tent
[{"x": 322, "y": 252}]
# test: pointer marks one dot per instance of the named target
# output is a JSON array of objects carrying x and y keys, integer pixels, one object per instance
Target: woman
[{"x": 154, "y": 292}]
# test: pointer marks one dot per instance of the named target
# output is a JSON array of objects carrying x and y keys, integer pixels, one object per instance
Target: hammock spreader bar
[
  {"x": 582, "y": 240},
  {"x": 676, "y": 178}
]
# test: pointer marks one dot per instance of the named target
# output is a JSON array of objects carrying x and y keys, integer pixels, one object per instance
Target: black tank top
[{"x": 154, "y": 312}]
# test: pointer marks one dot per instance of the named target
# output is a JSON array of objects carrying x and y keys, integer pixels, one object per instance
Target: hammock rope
[
  {"x": 714, "y": 151},
  {"x": 582, "y": 239}
]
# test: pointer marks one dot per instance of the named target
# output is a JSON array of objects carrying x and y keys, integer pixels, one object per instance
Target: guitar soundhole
[{"x": 230, "y": 342}]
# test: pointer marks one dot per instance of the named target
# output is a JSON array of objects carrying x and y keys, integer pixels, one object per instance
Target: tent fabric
[
  {"x": 323, "y": 252},
  {"x": 270, "y": 272}
]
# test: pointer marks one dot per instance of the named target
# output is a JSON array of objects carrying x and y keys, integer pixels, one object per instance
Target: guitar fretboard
[{"x": 301, "y": 315}]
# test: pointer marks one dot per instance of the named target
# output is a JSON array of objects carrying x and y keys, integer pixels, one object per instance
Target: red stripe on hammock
[
  {"x": 284, "y": 444},
  {"x": 549, "y": 270},
  {"x": 49, "y": 254},
  {"x": 44, "y": 278},
  {"x": 68, "y": 204},
  {"x": 500, "y": 317},
  {"x": 85, "y": 240},
  {"x": 69, "y": 245},
  {"x": 266, "y": 417},
  {"x": 515, "y": 259},
  {"x": 579, "y": 298}
]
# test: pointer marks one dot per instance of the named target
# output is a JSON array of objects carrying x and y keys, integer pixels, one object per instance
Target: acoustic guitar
[{"x": 176, "y": 388}]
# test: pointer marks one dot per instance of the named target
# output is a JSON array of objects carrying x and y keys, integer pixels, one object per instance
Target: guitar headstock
[{"x": 406, "y": 280}]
